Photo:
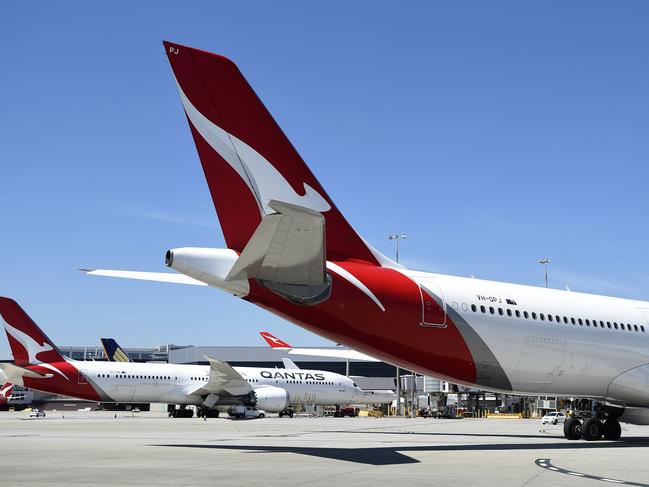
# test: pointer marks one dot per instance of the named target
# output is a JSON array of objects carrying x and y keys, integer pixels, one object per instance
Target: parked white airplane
[
  {"x": 291, "y": 251},
  {"x": 278, "y": 344},
  {"x": 378, "y": 396},
  {"x": 39, "y": 365}
]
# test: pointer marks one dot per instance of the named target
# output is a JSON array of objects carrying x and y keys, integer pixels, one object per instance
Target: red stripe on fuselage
[
  {"x": 395, "y": 335},
  {"x": 74, "y": 384}
]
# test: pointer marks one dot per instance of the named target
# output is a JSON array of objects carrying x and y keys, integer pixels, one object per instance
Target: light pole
[
  {"x": 545, "y": 262},
  {"x": 397, "y": 237}
]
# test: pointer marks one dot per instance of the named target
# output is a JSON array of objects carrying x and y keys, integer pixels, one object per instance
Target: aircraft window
[
  {"x": 474, "y": 308},
  {"x": 608, "y": 324},
  {"x": 615, "y": 325},
  {"x": 525, "y": 314},
  {"x": 542, "y": 316},
  {"x": 581, "y": 323},
  {"x": 642, "y": 328},
  {"x": 635, "y": 327},
  {"x": 518, "y": 314},
  {"x": 550, "y": 318},
  {"x": 558, "y": 318},
  {"x": 500, "y": 311},
  {"x": 509, "y": 312},
  {"x": 464, "y": 307},
  {"x": 455, "y": 305},
  {"x": 622, "y": 326},
  {"x": 482, "y": 309},
  {"x": 572, "y": 320},
  {"x": 533, "y": 315},
  {"x": 601, "y": 324},
  {"x": 565, "y": 320},
  {"x": 491, "y": 309}
]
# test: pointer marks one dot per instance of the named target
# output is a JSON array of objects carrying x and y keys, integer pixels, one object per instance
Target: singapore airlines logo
[
  {"x": 263, "y": 179},
  {"x": 32, "y": 347}
]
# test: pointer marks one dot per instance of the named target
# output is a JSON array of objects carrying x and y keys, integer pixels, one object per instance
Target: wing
[
  {"x": 223, "y": 378},
  {"x": 145, "y": 276},
  {"x": 318, "y": 352}
]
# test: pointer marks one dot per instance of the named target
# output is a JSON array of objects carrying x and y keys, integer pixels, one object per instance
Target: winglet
[{"x": 274, "y": 342}]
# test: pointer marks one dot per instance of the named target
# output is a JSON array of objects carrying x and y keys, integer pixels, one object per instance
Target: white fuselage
[
  {"x": 554, "y": 342},
  {"x": 172, "y": 383}
]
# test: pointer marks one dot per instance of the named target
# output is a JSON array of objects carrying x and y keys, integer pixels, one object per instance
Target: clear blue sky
[{"x": 491, "y": 133}]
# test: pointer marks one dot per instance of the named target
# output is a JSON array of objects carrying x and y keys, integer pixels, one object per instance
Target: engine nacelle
[
  {"x": 271, "y": 398},
  {"x": 210, "y": 266}
]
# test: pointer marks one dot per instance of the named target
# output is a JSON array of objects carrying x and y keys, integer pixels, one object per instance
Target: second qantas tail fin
[
  {"x": 29, "y": 345},
  {"x": 247, "y": 159},
  {"x": 274, "y": 342}
]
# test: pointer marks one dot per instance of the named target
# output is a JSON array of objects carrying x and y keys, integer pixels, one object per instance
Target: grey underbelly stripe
[{"x": 489, "y": 372}]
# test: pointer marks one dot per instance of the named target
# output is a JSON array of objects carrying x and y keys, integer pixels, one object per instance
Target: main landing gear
[{"x": 592, "y": 429}]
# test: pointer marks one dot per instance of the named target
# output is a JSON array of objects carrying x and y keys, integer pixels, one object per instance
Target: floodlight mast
[
  {"x": 545, "y": 262},
  {"x": 397, "y": 237}
]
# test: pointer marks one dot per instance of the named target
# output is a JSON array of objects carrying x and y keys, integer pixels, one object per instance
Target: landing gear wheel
[
  {"x": 591, "y": 430},
  {"x": 572, "y": 429},
  {"x": 612, "y": 429}
]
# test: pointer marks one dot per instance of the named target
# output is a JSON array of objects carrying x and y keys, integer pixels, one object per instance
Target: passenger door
[{"x": 433, "y": 305}]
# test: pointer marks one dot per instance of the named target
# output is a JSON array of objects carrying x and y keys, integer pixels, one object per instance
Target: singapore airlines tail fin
[
  {"x": 29, "y": 345},
  {"x": 248, "y": 162},
  {"x": 114, "y": 353}
]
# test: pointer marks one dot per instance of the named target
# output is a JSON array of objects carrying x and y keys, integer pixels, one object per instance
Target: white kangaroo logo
[
  {"x": 264, "y": 180},
  {"x": 32, "y": 347}
]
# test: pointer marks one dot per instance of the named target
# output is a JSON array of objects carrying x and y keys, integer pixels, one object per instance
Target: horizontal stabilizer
[
  {"x": 15, "y": 374},
  {"x": 145, "y": 276},
  {"x": 287, "y": 247}
]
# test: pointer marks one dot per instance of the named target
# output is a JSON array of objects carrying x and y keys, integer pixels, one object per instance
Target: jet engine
[{"x": 271, "y": 398}]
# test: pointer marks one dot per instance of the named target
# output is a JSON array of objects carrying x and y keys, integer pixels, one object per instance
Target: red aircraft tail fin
[
  {"x": 273, "y": 341},
  {"x": 29, "y": 345},
  {"x": 246, "y": 158}
]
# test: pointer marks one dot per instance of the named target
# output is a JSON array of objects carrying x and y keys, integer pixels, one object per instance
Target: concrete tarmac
[{"x": 95, "y": 448}]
